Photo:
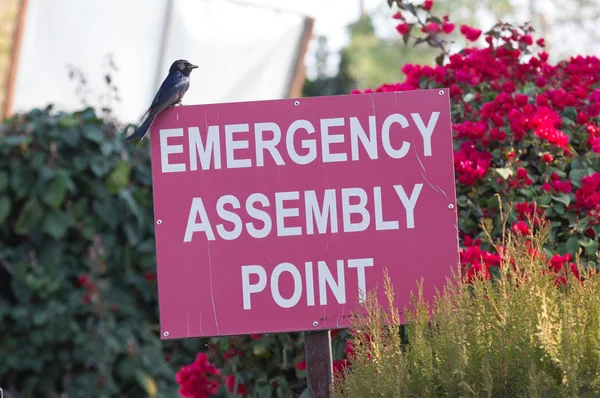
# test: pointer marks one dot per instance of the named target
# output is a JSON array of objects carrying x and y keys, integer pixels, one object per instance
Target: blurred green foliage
[{"x": 78, "y": 307}]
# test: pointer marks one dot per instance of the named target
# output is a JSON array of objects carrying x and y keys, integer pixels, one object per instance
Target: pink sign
[{"x": 271, "y": 216}]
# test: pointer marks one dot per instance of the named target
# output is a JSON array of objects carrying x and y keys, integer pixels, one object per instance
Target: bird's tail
[{"x": 141, "y": 131}]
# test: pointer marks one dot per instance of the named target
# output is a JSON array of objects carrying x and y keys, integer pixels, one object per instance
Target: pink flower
[
  {"x": 301, "y": 365},
  {"x": 448, "y": 27},
  {"x": 198, "y": 379},
  {"x": 339, "y": 365},
  {"x": 477, "y": 261},
  {"x": 349, "y": 350},
  {"x": 470, "y": 164},
  {"x": 403, "y": 28},
  {"x": 527, "y": 210},
  {"x": 588, "y": 196},
  {"x": 520, "y": 228},
  {"x": 545, "y": 121},
  {"x": 547, "y": 158},
  {"x": 470, "y": 33},
  {"x": 527, "y": 39},
  {"x": 230, "y": 384},
  {"x": 431, "y": 27}
]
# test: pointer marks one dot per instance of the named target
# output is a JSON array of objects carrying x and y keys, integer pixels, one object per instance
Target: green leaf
[
  {"x": 565, "y": 199},
  {"x": 439, "y": 60},
  {"x": 93, "y": 133},
  {"x": 591, "y": 246},
  {"x": 39, "y": 318},
  {"x": 70, "y": 136},
  {"x": 107, "y": 147},
  {"x": 30, "y": 215},
  {"x": 434, "y": 19},
  {"x": 504, "y": 172},
  {"x": 119, "y": 178},
  {"x": 68, "y": 121},
  {"x": 54, "y": 194},
  {"x": 572, "y": 245},
  {"x": 23, "y": 293},
  {"x": 576, "y": 175},
  {"x": 15, "y": 140},
  {"x": 107, "y": 212},
  {"x": 390, "y": 2},
  {"x": 559, "y": 208},
  {"x": 79, "y": 163},
  {"x": 419, "y": 41},
  {"x": 556, "y": 226},
  {"x": 543, "y": 200},
  {"x": 99, "y": 166},
  {"x": 57, "y": 223},
  {"x": 81, "y": 207},
  {"x": 5, "y": 207},
  {"x": 266, "y": 391},
  {"x": 147, "y": 382},
  {"x": 3, "y": 181},
  {"x": 132, "y": 205}
]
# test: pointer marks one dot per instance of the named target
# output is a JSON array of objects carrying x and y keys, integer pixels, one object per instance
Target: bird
[{"x": 170, "y": 93}]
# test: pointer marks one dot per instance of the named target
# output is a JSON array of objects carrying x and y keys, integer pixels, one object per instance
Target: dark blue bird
[{"x": 170, "y": 93}]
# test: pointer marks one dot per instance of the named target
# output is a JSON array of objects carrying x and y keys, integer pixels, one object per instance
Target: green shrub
[
  {"x": 530, "y": 333},
  {"x": 78, "y": 308}
]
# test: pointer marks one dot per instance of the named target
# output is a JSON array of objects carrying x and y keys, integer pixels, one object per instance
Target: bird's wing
[{"x": 162, "y": 93}]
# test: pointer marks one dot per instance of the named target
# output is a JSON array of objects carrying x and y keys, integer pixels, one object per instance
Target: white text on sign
[
  {"x": 205, "y": 154},
  {"x": 320, "y": 213},
  {"x": 324, "y": 279}
]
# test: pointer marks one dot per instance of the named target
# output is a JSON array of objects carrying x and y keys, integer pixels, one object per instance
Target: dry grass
[{"x": 520, "y": 336}]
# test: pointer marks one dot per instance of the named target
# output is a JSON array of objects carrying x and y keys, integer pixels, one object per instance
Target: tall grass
[{"x": 526, "y": 334}]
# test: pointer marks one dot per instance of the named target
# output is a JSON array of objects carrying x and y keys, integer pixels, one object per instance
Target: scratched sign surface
[{"x": 271, "y": 216}]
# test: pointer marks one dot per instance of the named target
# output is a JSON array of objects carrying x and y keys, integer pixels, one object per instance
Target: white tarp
[{"x": 238, "y": 59}]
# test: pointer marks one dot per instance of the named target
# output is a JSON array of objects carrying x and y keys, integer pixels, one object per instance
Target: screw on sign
[{"x": 273, "y": 216}]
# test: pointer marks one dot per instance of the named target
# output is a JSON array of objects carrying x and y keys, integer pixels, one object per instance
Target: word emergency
[{"x": 207, "y": 153}]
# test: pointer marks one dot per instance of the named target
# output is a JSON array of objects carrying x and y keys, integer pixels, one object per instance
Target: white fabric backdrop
[{"x": 238, "y": 59}]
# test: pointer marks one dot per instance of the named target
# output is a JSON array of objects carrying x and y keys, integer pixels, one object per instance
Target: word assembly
[{"x": 320, "y": 213}]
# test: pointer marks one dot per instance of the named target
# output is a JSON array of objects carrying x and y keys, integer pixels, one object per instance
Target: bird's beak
[{"x": 193, "y": 66}]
